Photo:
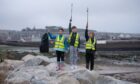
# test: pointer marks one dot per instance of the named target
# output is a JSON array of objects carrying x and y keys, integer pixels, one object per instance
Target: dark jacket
[
  {"x": 73, "y": 37},
  {"x": 44, "y": 47}
]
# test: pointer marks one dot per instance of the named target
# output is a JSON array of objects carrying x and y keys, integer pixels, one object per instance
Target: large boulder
[
  {"x": 38, "y": 60},
  {"x": 7, "y": 66},
  {"x": 4, "y": 69},
  {"x": 44, "y": 58},
  {"x": 67, "y": 80},
  {"x": 47, "y": 80},
  {"x": 110, "y": 80},
  {"x": 42, "y": 70},
  {"x": 53, "y": 60},
  {"x": 51, "y": 68},
  {"x": 13, "y": 63},
  {"x": 26, "y": 74},
  {"x": 34, "y": 62},
  {"x": 27, "y": 57},
  {"x": 18, "y": 78},
  {"x": 85, "y": 76}
]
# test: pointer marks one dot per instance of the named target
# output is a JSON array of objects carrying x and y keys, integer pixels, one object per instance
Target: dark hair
[
  {"x": 61, "y": 29},
  {"x": 73, "y": 27}
]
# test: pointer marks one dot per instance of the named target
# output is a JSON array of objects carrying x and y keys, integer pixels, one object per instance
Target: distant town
[{"x": 34, "y": 34}]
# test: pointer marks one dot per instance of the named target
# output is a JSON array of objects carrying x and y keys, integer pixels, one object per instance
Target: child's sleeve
[
  {"x": 86, "y": 34},
  {"x": 52, "y": 36},
  {"x": 66, "y": 44}
]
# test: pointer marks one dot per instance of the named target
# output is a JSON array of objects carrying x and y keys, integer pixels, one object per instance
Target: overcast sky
[{"x": 104, "y": 15}]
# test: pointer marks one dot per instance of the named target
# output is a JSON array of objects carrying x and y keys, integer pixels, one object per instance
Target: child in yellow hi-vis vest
[
  {"x": 90, "y": 49},
  {"x": 74, "y": 42},
  {"x": 60, "y": 47}
]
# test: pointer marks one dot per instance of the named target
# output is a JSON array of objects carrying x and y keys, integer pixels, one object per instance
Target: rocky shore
[{"x": 42, "y": 70}]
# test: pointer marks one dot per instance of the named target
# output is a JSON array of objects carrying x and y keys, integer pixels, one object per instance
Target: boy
[
  {"x": 74, "y": 42},
  {"x": 60, "y": 47}
]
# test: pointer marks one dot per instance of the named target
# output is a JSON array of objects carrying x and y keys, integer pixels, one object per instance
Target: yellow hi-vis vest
[
  {"x": 90, "y": 45},
  {"x": 59, "y": 43},
  {"x": 76, "y": 43}
]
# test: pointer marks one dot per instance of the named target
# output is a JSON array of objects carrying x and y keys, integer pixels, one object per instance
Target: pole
[
  {"x": 70, "y": 23},
  {"x": 71, "y": 11},
  {"x": 87, "y": 18}
]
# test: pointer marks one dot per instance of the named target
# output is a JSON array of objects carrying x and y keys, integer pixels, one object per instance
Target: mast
[
  {"x": 70, "y": 22},
  {"x": 87, "y": 18}
]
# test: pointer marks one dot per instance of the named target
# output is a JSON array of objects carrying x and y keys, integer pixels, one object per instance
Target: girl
[{"x": 90, "y": 49}]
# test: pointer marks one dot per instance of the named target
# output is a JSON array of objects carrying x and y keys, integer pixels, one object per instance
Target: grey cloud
[{"x": 104, "y": 15}]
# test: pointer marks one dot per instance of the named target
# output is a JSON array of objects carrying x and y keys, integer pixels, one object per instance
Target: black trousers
[
  {"x": 60, "y": 56},
  {"x": 90, "y": 59}
]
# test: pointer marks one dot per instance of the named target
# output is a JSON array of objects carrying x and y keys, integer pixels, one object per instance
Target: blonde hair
[{"x": 91, "y": 33}]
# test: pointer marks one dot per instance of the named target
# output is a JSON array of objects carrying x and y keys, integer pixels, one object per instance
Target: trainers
[
  {"x": 57, "y": 68},
  {"x": 75, "y": 67},
  {"x": 61, "y": 67},
  {"x": 72, "y": 67}
]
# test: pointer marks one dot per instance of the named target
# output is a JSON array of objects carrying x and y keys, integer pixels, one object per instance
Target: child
[
  {"x": 90, "y": 49},
  {"x": 60, "y": 47},
  {"x": 74, "y": 42}
]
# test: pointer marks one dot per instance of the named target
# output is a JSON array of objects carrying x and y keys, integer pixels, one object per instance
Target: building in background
[{"x": 34, "y": 34}]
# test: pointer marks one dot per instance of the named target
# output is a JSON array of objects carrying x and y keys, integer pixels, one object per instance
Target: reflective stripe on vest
[
  {"x": 76, "y": 43},
  {"x": 59, "y": 43},
  {"x": 90, "y": 45}
]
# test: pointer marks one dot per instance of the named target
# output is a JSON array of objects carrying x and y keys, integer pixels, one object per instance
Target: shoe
[
  {"x": 62, "y": 67},
  {"x": 72, "y": 67},
  {"x": 58, "y": 67},
  {"x": 75, "y": 67}
]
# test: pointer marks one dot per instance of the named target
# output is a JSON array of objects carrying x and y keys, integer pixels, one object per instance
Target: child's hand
[{"x": 51, "y": 42}]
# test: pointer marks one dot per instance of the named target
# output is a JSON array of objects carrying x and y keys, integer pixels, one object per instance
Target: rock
[
  {"x": 33, "y": 62},
  {"x": 47, "y": 80},
  {"x": 67, "y": 80},
  {"x": 44, "y": 58},
  {"x": 34, "y": 81},
  {"x": 27, "y": 57},
  {"x": 3, "y": 75},
  {"x": 18, "y": 78},
  {"x": 94, "y": 76},
  {"x": 8, "y": 65},
  {"x": 85, "y": 76},
  {"x": 53, "y": 60},
  {"x": 110, "y": 80},
  {"x": 26, "y": 74},
  {"x": 13, "y": 63},
  {"x": 5, "y": 66},
  {"x": 38, "y": 60},
  {"x": 42, "y": 70},
  {"x": 51, "y": 68}
]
